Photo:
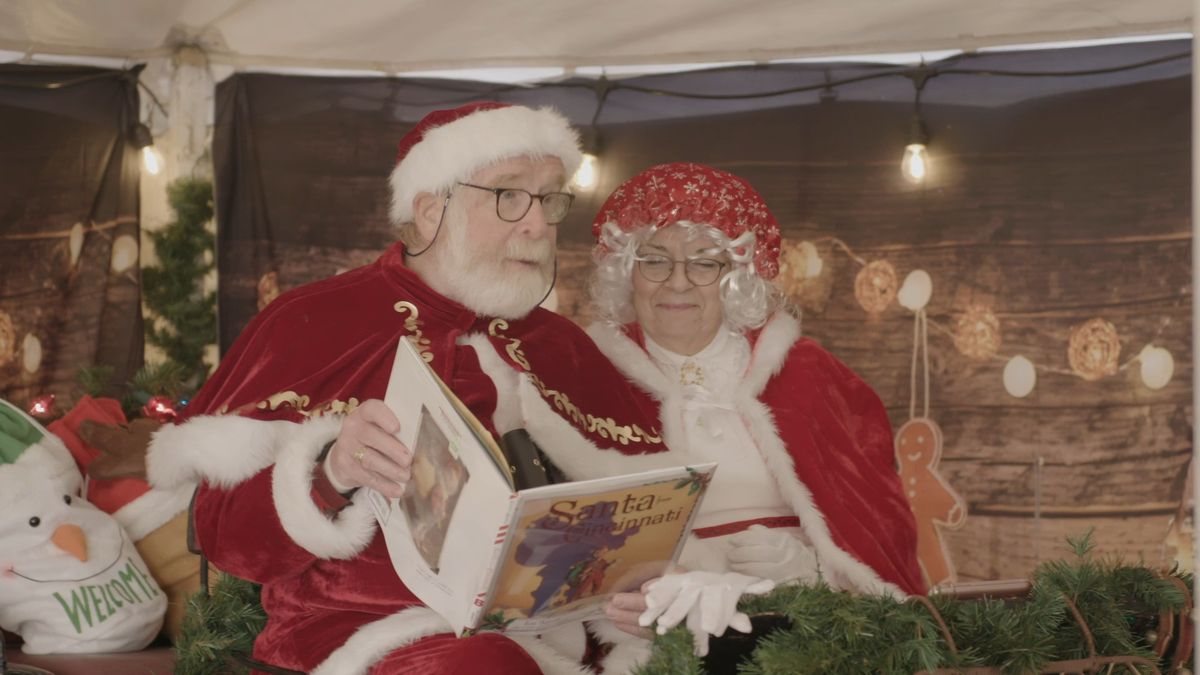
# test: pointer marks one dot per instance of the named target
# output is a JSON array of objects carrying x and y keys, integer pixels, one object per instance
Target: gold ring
[{"x": 358, "y": 454}]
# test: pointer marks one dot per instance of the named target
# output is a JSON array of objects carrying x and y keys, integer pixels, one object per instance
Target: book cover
[{"x": 569, "y": 549}]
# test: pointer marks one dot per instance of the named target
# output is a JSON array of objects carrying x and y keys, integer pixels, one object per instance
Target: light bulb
[
  {"x": 1157, "y": 366},
  {"x": 585, "y": 176},
  {"x": 75, "y": 242},
  {"x": 915, "y": 164},
  {"x": 915, "y": 291},
  {"x": 152, "y": 160},
  {"x": 31, "y": 348},
  {"x": 1020, "y": 377},
  {"x": 124, "y": 253}
]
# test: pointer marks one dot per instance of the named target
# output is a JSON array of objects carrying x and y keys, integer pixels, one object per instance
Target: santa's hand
[
  {"x": 708, "y": 600},
  {"x": 772, "y": 554},
  {"x": 367, "y": 453}
]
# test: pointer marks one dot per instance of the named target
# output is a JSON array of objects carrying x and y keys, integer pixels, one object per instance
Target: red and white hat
[
  {"x": 668, "y": 193},
  {"x": 447, "y": 146}
]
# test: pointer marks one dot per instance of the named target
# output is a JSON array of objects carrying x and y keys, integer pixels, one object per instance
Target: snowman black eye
[
  {"x": 35, "y": 521},
  {"x": 67, "y": 499}
]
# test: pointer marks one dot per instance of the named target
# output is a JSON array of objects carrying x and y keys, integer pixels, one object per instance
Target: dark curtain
[
  {"x": 1051, "y": 201},
  {"x": 66, "y": 167}
]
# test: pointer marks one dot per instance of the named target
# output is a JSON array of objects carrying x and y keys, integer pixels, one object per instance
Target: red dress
[{"x": 825, "y": 438}]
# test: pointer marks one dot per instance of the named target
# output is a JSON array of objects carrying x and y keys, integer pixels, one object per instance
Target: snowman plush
[{"x": 71, "y": 580}]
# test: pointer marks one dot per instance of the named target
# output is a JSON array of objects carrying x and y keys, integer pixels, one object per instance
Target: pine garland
[
  {"x": 218, "y": 625},
  {"x": 173, "y": 289},
  {"x": 835, "y": 632},
  {"x": 839, "y": 633}
]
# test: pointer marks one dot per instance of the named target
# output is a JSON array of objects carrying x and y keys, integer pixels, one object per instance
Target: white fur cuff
[
  {"x": 223, "y": 450},
  {"x": 346, "y": 534}
]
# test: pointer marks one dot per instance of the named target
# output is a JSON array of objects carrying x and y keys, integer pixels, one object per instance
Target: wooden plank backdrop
[
  {"x": 64, "y": 161},
  {"x": 1045, "y": 211},
  {"x": 1051, "y": 209}
]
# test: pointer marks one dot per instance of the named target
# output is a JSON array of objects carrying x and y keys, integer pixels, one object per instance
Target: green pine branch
[
  {"x": 841, "y": 633},
  {"x": 184, "y": 316},
  {"x": 218, "y": 625}
]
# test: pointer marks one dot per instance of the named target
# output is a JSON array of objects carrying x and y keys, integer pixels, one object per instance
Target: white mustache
[{"x": 541, "y": 252}]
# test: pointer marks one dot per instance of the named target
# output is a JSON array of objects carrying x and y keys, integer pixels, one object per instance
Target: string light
[
  {"x": 1157, "y": 366},
  {"x": 875, "y": 286},
  {"x": 585, "y": 176},
  {"x": 588, "y": 173},
  {"x": 977, "y": 333},
  {"x": 268, "y": 289},
  {"x": 1020, "y": 377},
  {"x": 75, "y": 242},
  {"x": 152, "y": 160},
  {"x": 8, "y": 338},
  {"x": 142, "y": 139},
  {"x": 31, "y": 350},
  {"x": 1094, "y": 349},
  {"x": 915, "y": 164},
  {"x": 124, "y": 253},
  {"x": 804, "y": 277},
  {"x": 916, "y": 290}
]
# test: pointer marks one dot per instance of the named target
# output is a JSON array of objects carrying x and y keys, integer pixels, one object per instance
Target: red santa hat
[
  {"x": 448, "y": 146},
  {"x": 668, "y": 193}
]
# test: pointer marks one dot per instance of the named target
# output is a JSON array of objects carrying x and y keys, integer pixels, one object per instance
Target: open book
[{"x": 486, "y": 554}]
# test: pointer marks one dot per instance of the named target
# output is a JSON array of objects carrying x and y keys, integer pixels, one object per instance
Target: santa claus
[{"x": 290, "y": 427}]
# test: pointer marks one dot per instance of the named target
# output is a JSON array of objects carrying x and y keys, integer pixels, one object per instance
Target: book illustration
[
  {"x": 572, "y": 552},
  {"x": 432, "y": 493}
]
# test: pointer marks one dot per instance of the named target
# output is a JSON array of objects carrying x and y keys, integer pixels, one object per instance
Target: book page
[{"x": 445, "y": 523}]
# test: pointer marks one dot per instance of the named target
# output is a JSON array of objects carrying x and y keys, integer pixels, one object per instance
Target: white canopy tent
[{"x": 393, "y": 36}]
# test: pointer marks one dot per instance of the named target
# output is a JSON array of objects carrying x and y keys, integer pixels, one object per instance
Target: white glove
[
  {"x": 708, "y": 600},
  {"x": 774, "y": 554}
]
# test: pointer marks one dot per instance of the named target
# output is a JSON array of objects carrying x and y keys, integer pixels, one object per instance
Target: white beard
[{"x": 483, "y": 282}]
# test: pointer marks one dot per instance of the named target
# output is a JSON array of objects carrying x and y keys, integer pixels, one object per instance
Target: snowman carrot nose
[{"x": 70, "y": 538}]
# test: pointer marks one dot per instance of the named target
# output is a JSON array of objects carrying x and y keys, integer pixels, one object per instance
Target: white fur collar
[{"x": 767, "y": 357}]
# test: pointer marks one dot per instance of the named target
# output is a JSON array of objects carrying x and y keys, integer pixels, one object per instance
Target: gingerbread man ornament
[{"x": 934, "y": 503}]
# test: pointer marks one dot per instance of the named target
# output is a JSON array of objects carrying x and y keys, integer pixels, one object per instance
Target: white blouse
[{"x": 742, "y": 488}]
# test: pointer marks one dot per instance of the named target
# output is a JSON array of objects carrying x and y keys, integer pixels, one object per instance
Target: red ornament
[
  {"x": 160, "y": 408},
  {"x": 42, "y": 407}
]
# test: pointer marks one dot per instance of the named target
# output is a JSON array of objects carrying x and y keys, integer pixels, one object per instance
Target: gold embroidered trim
[
  {"x": 413, "y": 324},
  {"x": 605, "y": 427},
  {"x": 514, "y": 345},
  {"x": 272, "y": 402},
  {"x": 300, "y": 403}
]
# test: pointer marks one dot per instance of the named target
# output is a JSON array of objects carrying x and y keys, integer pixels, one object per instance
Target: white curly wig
[{"x": 747, "y": 300}]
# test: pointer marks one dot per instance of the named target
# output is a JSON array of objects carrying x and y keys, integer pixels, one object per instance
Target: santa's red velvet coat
[{"x": 333, "y": 600}]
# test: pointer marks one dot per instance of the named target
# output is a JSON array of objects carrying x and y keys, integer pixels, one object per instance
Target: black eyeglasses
[
  {"x": 513, "y": 203},
  {"x": 699, "y": 271}
]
